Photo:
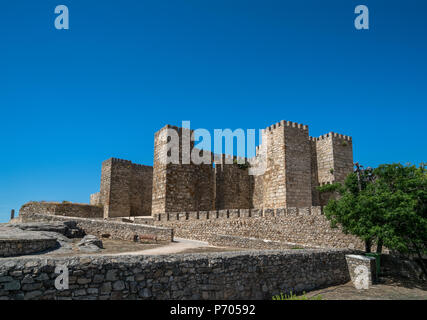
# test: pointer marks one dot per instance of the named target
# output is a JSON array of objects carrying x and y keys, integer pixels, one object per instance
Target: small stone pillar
[
  {"x": 12, "y": 214},
  {"x": 362, "y": 270}
]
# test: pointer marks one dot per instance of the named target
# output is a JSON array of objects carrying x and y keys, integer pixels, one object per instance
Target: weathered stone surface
[
  {"x": 311, "y": 229},
  {"x": 362, "y": 270},
  {"x": 14, "y": 241},
  {"x": 90, "y": 243},
  {"x": 126, "y": 189},
  {"x": 116, "y": 230},
  {"x": 58, "y": 227},
  {"x": 227, "y": 275},
  {"x": 62, "y": 209},
  {"x": 290, "y": 165}
]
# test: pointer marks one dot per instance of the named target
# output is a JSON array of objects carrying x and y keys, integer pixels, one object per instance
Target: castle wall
[
  {"x": 334, "y": 161},
  {"x": 125, "y": 188},
  {"x": 95, "y": 199},
  {"x": 300, "y": 226},
  {"x": 314, "y": 173},
  {"x": 325, "y": 159},
  {"x": 295, "y": 164},
  {"x": 274, "y": 178},
  {"x": 159, "y": 172},
  {"x": 141, "y": 187},
  {"x": 298, "y": 165},
  {"x": 258, "y": 191},
  {"x": 343, "y": 156},
  {"x": 233, "y": 187},
  {"x": 287, "y": 179},
  {"x": 182, "y": 187}
]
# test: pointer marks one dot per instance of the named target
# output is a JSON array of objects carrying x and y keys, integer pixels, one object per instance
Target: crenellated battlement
[
  {"x": 237, "y": 213},
  {"x": 333, "y": 135},
  {"x": 287, "y": 167},
  {"x": 284, "y": 123}
]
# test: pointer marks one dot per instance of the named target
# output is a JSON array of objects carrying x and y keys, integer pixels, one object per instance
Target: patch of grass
[{"x": 292, "y": 296}]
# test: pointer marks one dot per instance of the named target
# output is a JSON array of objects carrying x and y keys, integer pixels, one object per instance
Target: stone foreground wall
[
  {"x": 116, "y": 230},
  {"x": 62, "y": 209},
  {"x": 16, "y": 247},
  {"x": 302, "y": 226},
  {"x": 230, "y": 275}
]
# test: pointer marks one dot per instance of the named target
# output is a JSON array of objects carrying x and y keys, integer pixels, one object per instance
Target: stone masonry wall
[
  {"x": 184, "y": 185},
  {"x": 343, "y": 156},
  {"x": 296, "y": 164},
  {"x": 302, "y": 226},
  {"x": 223, "y": 240},
  {"x": 315, "y": 196},
  {"x": 16, "y": 247},
  {"x": 274, "y": 178},
  {"x": 229, "y": 275},
  {"x": 233, "y": 187},
  {"x": 62, "y": 209},
  {"x": 126, "y": 188},
  {"x": 116, "y": 230},
  {"x": 334, "y": 162}
]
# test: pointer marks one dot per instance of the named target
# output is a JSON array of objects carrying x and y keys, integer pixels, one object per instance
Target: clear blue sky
[{"x": 70, "y": 99}]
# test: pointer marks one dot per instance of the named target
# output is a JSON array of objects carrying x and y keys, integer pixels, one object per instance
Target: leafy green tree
[
  {"x": 386, "y": 205},
  {"x": 403, "y": 190}
]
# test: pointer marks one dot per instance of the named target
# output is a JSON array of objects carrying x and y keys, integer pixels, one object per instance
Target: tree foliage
[{"x": 387, "y": 205}]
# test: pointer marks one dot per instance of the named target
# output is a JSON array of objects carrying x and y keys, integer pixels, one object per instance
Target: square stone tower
[
  {"x": 182, "y": 186},
  {"x": 287, "y": 179},
  {"x": 125, "y": 189}
]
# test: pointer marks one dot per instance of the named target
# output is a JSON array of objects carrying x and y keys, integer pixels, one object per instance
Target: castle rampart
[{"x": 295, "y": 165}]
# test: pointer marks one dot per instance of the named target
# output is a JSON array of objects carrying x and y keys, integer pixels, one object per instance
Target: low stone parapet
[
  {"x": 63, "y": 209},
  {"x": 223, "y": 240},
  {"x": 17, "y": 247},
  {"x": 115, "y": 229},
  {"x": 225, "y": 275}
]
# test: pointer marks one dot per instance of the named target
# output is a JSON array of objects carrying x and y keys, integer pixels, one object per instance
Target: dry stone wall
[
  {"x": 62, "y": 209},
  {"x": 115, "y": 229},
  {"x": 302, "y": 226},
  {"x": 17, "y": 247},
  {"x": 223, "y": 240},
  {"x": 229, "y": 275}
]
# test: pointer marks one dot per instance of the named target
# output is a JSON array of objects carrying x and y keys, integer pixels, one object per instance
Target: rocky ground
[
  {"x": 385, "y": 289},
  {"x": 71, "y": 242}
]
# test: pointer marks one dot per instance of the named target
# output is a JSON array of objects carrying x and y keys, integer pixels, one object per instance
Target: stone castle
[{"x": 295, "y": 164}]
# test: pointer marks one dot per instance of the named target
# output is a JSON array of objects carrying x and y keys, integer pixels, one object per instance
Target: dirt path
[{"x": 179, "y": 245}]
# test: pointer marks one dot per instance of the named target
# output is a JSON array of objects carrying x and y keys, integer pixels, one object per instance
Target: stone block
[
  {"x": 233, "y": 213},
  {"x": 362, "y": 270},
  {"x": 245, "y": 213},
  {"x": 222, "y": 214},
  {"x": 203, "y": 215},
  {"x": 280, "y": 212},
  {"x": 268, "y": 213}
]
